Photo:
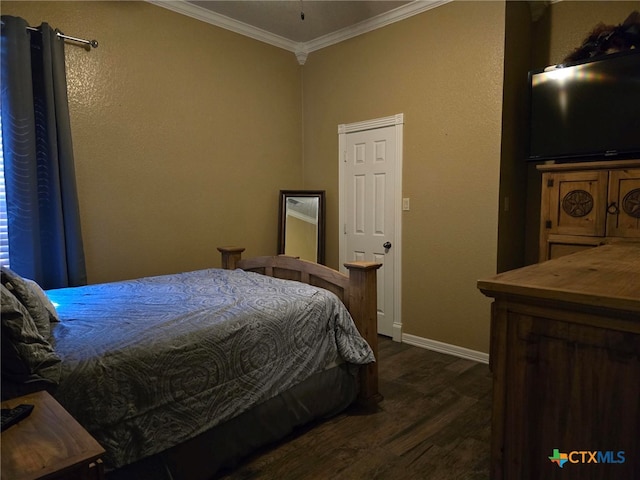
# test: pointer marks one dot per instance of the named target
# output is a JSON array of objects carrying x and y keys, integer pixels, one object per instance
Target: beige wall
[
  {"x": 443, "y": 70},
  {"x": 513, "y": 168},
  {"x": 184, "y": 134}
]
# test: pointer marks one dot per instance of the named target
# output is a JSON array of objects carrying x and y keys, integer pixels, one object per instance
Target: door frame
[{"x": 396, "y": 121}]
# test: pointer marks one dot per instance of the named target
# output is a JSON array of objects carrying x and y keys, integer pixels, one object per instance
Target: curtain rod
[{"x": 88, "y": 43}]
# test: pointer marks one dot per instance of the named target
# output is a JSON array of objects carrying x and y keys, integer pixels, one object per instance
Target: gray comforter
[{"x": 149, "y": 363}]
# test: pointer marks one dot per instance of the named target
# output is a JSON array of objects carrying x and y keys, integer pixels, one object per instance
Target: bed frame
[
  {"x": 210, "y": 453},
  {"x": 358, "y": 291}
]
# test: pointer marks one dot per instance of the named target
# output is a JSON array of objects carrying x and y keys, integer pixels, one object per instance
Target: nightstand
[{"x": 48, "y": 444}]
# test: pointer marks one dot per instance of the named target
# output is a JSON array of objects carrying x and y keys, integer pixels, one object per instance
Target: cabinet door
[
  {"x": 576, "y": 203},
  {"x": 569, "y": 387},
  {"x": 623, "y": 206}
]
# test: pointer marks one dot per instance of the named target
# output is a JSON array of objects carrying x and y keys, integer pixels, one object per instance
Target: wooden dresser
[
  {"x": 565, "y": 357},
  {"x": 587, "y": 204}
]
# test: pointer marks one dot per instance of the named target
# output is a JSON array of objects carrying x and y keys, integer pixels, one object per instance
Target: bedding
[
  {"x": 28, "y": 359},
  {"x": 150, "y": 363},
  {"x": 32, "y": 297}
]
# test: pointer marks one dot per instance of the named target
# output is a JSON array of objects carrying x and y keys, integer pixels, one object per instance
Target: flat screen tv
[{"x": 586, "y": 111}]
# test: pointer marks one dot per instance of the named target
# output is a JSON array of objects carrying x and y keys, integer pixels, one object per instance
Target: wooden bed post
[
  {"x": 230, "y": 256},
  {"x": 363, "y": 305}
]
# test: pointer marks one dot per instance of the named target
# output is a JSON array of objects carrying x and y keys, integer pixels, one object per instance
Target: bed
[{"x": 199, "y": 369}]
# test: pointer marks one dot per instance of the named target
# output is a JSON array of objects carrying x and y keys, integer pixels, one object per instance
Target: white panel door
[{"x": 368, "y": 205}]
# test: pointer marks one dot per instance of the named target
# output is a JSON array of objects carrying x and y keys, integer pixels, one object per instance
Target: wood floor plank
[
  {"x": 430, "y": 425},
  {"x": 459, "y": 460},
  {"x": 434, "y": 423}
]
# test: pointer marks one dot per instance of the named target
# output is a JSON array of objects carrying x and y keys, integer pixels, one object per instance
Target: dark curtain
[{"x": 45, "y": 240}]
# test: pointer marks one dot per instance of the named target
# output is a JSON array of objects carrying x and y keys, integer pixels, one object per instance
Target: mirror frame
[{"x": 282, "y": 219}]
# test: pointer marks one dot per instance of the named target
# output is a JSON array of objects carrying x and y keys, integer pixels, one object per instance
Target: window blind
[{"x": 4, "y": 227}]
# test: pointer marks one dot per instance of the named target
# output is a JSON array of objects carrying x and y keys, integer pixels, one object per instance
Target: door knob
[{"x": 387, "y": 245}]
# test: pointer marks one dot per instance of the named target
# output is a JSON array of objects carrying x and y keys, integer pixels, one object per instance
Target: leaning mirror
[{"x": 301, "y": 232}]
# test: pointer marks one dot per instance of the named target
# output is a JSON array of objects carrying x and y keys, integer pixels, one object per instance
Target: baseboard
[
  {"x": 397, "y": 332},
  {"x": 445, "y": 348}
]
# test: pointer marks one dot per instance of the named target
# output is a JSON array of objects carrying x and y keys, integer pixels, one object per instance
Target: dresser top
[
  {"x": 606, "y": 276},
  {"x": 602, "y": 165}
]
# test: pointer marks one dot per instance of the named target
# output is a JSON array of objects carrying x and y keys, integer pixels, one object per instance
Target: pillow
[
  {"x": 39, "y": 293},
  {"x": 26, "y": 354},
  {"x": 19, "y": 287}
]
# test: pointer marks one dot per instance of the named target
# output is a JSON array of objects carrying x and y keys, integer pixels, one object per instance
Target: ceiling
[
  {"x": 283, "y": 18},
  {"x": 325, "y": 22},
  {"x": 280, "y": 23}
]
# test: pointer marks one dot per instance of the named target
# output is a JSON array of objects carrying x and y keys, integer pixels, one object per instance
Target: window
[{"x": 4, "y": 229}]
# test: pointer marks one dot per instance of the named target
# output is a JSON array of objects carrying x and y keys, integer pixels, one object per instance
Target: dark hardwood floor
[{"x": 434, "y": 423}]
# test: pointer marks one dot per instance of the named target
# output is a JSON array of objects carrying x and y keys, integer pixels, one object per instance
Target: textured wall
[
  {"x": 443, "y": 70},
  {"x": 184, "y": 134}
]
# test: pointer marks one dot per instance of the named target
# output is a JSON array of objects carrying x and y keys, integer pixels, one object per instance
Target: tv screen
[{"x": 589, "y": 110}]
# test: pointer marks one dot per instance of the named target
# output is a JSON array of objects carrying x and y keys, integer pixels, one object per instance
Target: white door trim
[{"x": 396, "y": 121}]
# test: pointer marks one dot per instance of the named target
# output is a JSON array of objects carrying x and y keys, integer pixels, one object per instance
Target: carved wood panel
[{"x": 623, "y": 212}]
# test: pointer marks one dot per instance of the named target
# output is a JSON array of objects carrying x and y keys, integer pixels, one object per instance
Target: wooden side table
[{"x": 48, "y": 444}]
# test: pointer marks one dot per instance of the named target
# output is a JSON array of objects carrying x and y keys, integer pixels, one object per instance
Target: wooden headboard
[{"x": 358, "y": 291}]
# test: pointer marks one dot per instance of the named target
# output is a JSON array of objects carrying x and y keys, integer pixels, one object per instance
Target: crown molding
[
  {"x": 301, "y": 55},
  {"x": 300, "y": 49},
  {"x": 397, "y": 14},
  {"x": 200, "y": 13}
]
